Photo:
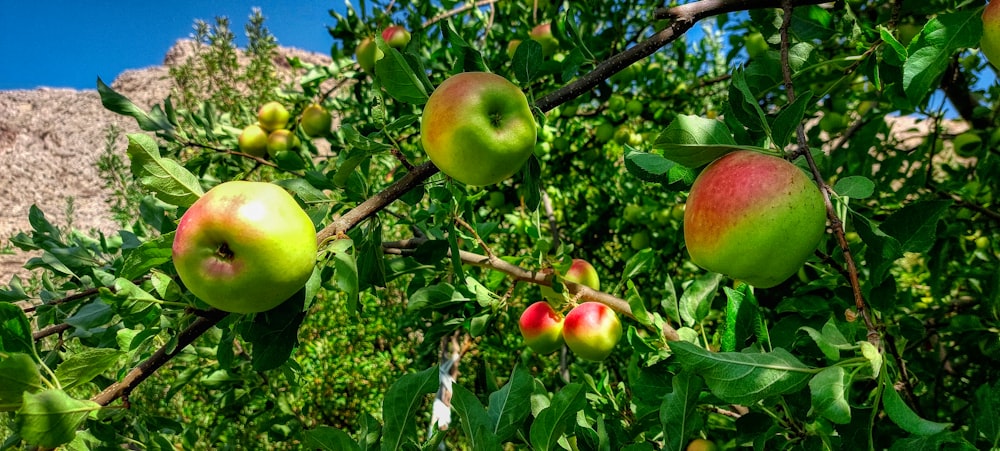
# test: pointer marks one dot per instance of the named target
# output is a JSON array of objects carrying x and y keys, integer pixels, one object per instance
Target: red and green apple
[
  {"x": 591, "y": 330},
  {"x": 541, "y": 327}
]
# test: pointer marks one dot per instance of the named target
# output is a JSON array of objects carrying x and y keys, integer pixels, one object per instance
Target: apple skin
[
  {"x": 700, "y": 444},
  {"x": 753, "y": 217},
  {"x": 316, "y": 121},
  {"x": 280, "y": 141},
  {"x": 512, "y": 47},
  {"x": 273, "y": 116},
  {"x": 367, "y": 53},
  {"x": 541, "y": 327},
  {"x": 396, "y": 36},
  {"x": 990, "y": 42},
  {"x": 477, "y": 128},
  {"x": 581, "y": 272},
  {"x": 245, "y": 247},
  {"x": 591, "y": 330},
  {"x": 542, "y": 34},
  {"x": 253, "y": 141}
]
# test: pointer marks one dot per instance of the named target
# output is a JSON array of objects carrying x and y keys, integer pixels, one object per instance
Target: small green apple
[
  {"x": 244, "y": 247},
  {"x": 253, "y": 141},
  {"x": 477, "y": 128},
  {"x": 967, "y": 144},
  {"x": 367, "y": 53},
  {"x": 396, "y": 36},
  {"x": 273, "y": 116},
  {"x": 640, "y": 240},
  {"x": 542, "y": 34},
  {"x": 280, "y": 141},
  {"x": 604, "y": 132},
  {"x": 753, "y": 217},
  {"x": 634, "y": 107},
  {"x": 316, "y": 121},
  {"x": 591, "y": 330},
  {"x": 990, "y": 42},
  {"x": 541, "y": 327},
  {"x": 580, "y": 271},
  {"x": 512, "y": 47}
]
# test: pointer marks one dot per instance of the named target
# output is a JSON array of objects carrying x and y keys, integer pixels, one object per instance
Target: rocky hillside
[{"x": 50, "y": 140}]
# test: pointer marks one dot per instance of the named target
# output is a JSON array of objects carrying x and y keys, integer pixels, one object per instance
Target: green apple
[
  {"x": 580, "y": 271},
  {"x": 634, "y": 107},
  {"x": 273, "y": 116},
  {"x": 990, "y": 42},
  {"x": 541, "y": 327},
  {"x": 367, "y": 53},
  {"x": 253, "y": 141},
  {"x": 542, "y": 34},
  {"x": 512, "y": 47},
  {"x": 604, "y": 132},
  {"x": 967, "y": 144},
  {"x": 753, "y": 217},
  {"x": 617, "y": 103},
  {"x": 591, "y": 330},
  {"x": 640, "y": 240},
  {"x": 280, "y": 141},
  {"x": 245, "y": 247},
  {"x": 316, "y": 121},
  {"x": 700, "y": 444},
  {"x": 396, "y": 36},
  {"x": 477, "y": 128}
]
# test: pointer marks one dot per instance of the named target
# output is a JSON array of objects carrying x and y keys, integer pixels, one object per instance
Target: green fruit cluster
[{"x": 270, "y": 136}]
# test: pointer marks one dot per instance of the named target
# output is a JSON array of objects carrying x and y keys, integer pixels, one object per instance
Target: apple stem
[{"x": 224, "y": 252}]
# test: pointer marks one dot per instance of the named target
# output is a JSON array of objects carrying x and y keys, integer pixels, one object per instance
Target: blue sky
[{"x": 68, "y": 44}]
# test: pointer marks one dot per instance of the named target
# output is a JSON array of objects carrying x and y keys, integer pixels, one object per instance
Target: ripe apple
[
  {"x": 477, "y": 128},
  {"x": 990, "y": 42},
  {"x": 272, "y": 116},
  {"x": 253, "y": 141},
  {"x": 591, "y": 330},
  {"x": 580, "y": 271},
  {"x": 316, "y": 121},
  {"x": 244, "y": 247},
  {"x": 396, "y": 36},
  {"x": 700, "y": 444},
  {"x": 541, "y": 327},
  {"x": 753, "y": 217},
  {"x": 280, "y": 141},
  {"x": 542, "y": 34},
  {"x": 367, "y": 53}
]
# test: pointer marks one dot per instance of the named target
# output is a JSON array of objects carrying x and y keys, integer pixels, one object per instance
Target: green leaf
[
  {"x": 530, "y": 188},
  {"x": 882, "y": 251},
  {"x": 678, "y": 411},
  {"x": 696, "y": 301},
  {"x": 397, "y": 76},
  {"x": 274, "y": 333},
  {"x": 915, "y": 225},
  {"x": 638, "y": 264},
  {"x": 694, "y": 141},
  {"x": 150, "y": 254},
  {"x": 15, "y": 330},
  {"x": 18, "y": 375},
  {"x": 855, "y": 187},
  {"x": 741, "y": 317},
  {"x": 654, "y": 168},
  {"x": 91, "y": 316},
  {"x": 894, "y": 53},
  {"x": 745, "y": 105},
  {"x": 527, "y": 61},
  {"x": 904, "y": 417},
  {"x": 435, "y": 297},
  {"x": 931, "y": 50},
  {"x": 346, "y": 271},
  {"x": 831, "y": 341},
  {"x": 50, "y": 418},
  {"x": 475, "y": 422},
  {"x": 789, "y": 118},
  {"x": 870, "y": 352},
  {"x": 553, "y": 421},
  {"x": 511, "y": 404},
  {"x": 120, "y": 104},
  {"x": 327, "y": 438},
  {"x": 401, "y": 405},
  {"x": 83, "y": 366},
  {"x": 829, "y": 394},
  {"x": 986, "y": 409},
  {"x": 744, "y": 378},
  {"x": 166, "y": 178}
]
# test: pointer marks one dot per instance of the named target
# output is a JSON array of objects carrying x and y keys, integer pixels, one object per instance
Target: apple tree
[{"x": 785, "y": 208}]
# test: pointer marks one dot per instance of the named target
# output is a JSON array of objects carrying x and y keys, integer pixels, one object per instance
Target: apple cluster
[
  {"x": 590, "y": 329},
  {"x": 753, "y": 217},
  {"x": 271, "y": 136},
  {"x": 367, "y": 53}
]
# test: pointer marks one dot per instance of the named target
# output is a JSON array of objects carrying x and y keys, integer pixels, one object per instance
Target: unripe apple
[
  {"x": 640, "y": 240},
  {"x": 591, "y": 330},
  {"x": 253, "y": 141},
  {"x": 753, "y": 217},
  {"x": 367, "y": 53},
  {"x": 542, "y": 34},
  {"x": 541, "y": 327},
  {"x": 990, "y": 42},
  {"x": 245, "y": 247},
  {"x": 967, "y": 144},
  {"x": 634, "y": 107},
  {"x": 396, "y": 36},
  {"x": 477, "y": 128},
  {"x": 280, "y": 141},
  {"x": 604, "y": 132},
  {"x": 581, "y": 272},
  {"x": 512, "y": 47},
  {"x": 316, "y": 121},
  {"x": 273, "y": 116}
]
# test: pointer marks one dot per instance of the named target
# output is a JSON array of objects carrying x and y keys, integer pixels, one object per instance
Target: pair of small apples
[
  {"x": 367, "y": 53},
  {"x": 271, "y": 135},
  {"x": 591, "y": 329}
]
